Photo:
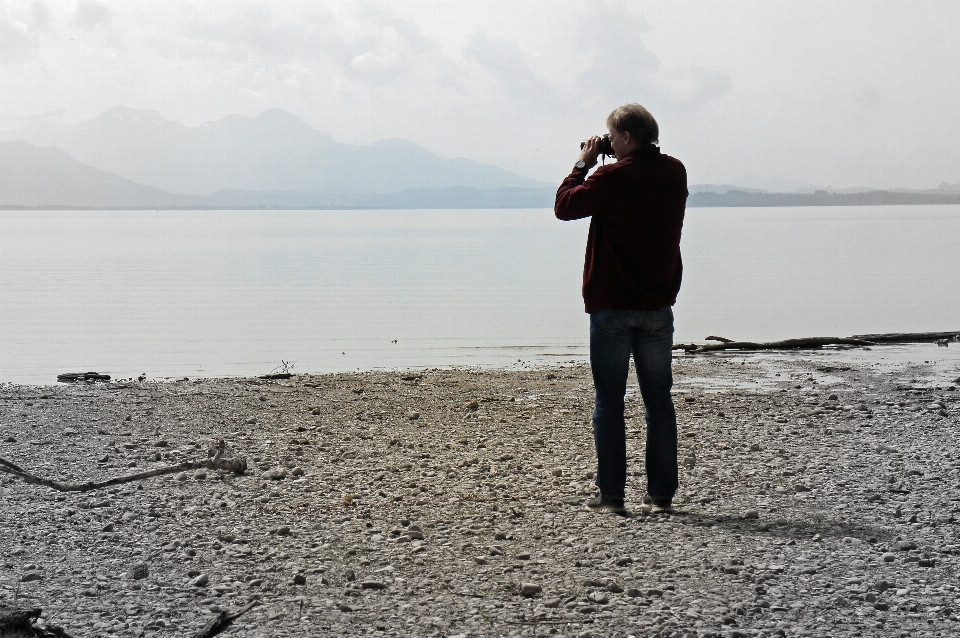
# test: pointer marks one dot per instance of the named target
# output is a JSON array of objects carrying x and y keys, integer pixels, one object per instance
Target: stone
[
  {"x": 530, "y": 589},
  {"x": 344, "y": 607},
  {"x": 138, "y": 571},
  {"x": 372, "y": 584},
  {"x": 299, "y": 579},
  {"x": 553, "y": 602},
  {"x": 200, "y": 581},
  {"x": 160, "y": 443},
  {"x": 633, "y": 592},
  {"x": 276, "y": 474},
  {"x": 598, "y": 597},
  {"x": 751, "y": 514},
  {"x": 30, "y": 577},
  {"x": 413, "y": 416}
]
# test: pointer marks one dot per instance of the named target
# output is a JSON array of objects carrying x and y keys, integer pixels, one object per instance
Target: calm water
[{"x": 230, "y": 293}]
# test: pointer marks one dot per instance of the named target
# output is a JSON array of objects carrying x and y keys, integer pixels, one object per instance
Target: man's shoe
[
  {"x": 661, "y": 507},
  {"x": 606, "y": 505}
]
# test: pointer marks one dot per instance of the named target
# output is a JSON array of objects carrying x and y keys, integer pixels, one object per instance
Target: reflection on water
[{"x": 189, "y": 293}]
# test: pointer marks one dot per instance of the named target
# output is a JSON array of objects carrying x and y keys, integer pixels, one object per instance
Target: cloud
[
  {"x": 41, "y": 16},
  {"x": 606, "y": 61},
  {"x": 362, "y": 43},
  {"x": 622, "y": 68},
  {"x": 17, "y": 37},
  {"x": 512, "y": 69},
  {"x": 91, "y": 14}
]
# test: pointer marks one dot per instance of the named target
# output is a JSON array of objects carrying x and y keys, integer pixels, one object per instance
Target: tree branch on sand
[{"x": 235, "y": 465}]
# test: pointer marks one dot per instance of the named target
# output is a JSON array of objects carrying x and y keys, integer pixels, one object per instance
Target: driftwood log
[
  {"x": 223, "y": 620},
  {"x": 75, "y": 377},
  {"x": 818, "y": 342},
  {"x": 235, "y": 465}
]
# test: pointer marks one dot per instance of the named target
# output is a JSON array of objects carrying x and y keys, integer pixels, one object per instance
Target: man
[{"x": 631, "y": 276}]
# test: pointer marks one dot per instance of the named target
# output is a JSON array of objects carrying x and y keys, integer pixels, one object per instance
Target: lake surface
[{"x": 219, "y": 293}]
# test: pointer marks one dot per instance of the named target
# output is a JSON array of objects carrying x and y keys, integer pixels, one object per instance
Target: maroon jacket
[{"x": 633, "y": 250}]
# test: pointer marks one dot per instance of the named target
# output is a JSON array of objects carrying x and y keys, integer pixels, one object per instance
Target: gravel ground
[{"x": 815, "y": 500}]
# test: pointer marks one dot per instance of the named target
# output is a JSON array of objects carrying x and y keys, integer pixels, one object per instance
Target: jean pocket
[
  {"x": 610, "y": 321},
  {"x": 662, "y": 321}
]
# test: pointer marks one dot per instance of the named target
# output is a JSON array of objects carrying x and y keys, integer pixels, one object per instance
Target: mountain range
[
  {"x": 127, "y": 158},
  {"x": 272, "y": 160}
]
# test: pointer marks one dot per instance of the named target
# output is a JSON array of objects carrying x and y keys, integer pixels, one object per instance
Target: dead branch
[
  {"x": 786, "y": 344},
  {"x": 237, "y": 466},
  {"x": 223, "y": 620}
]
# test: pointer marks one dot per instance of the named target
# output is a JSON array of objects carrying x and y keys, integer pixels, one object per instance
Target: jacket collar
[{"x": 647, "y": 150}]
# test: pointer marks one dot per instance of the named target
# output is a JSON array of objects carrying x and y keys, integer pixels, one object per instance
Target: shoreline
[{"x": 465, "y": 489}]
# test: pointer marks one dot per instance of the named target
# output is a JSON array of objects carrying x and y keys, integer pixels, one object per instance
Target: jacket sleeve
[{"x": 578, "y": 198}]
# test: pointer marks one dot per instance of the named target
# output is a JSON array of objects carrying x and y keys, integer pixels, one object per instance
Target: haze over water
[{"x": 217, "y": 293}]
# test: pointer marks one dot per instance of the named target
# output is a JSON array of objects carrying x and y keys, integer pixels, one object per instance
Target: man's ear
[{"x": 626, "y": 137}]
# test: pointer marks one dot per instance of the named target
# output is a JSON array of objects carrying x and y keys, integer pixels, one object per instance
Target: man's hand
[{"x": 590, "y": 151}]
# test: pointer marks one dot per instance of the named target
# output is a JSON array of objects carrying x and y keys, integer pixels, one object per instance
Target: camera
[{"x": 606, "y": 148}]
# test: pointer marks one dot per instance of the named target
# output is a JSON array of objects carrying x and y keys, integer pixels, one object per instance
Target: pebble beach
[{"x": 817, "y": 498}]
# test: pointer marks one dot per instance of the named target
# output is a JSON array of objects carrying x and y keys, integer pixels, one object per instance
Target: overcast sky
[{"x": 823, "y": 93}]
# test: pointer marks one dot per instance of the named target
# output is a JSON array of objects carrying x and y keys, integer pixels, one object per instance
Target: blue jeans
[{"x": 648, "y": 335}]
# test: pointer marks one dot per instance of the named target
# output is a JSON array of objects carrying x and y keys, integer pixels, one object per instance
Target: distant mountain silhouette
[
  {"x": 274, "y": 151},
  {"x": 32, "y": 177}
]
